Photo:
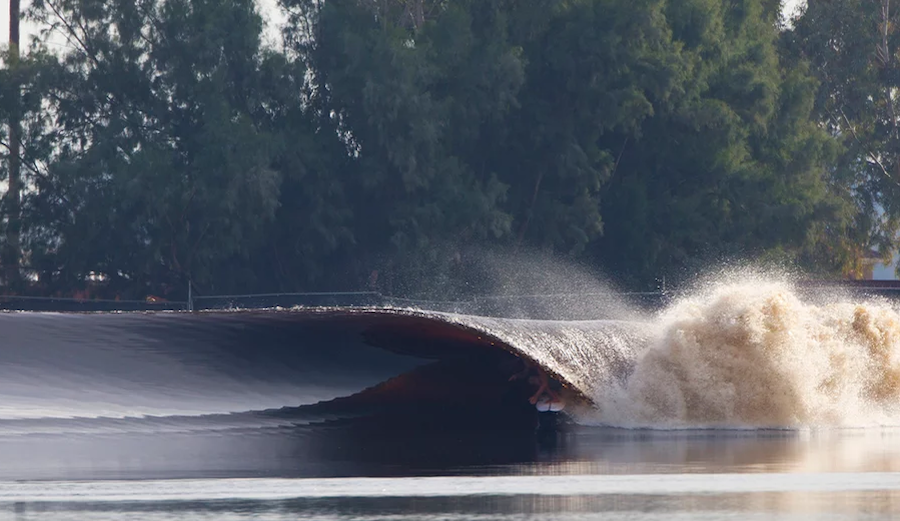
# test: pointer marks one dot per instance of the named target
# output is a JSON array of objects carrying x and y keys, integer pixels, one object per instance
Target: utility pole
[{"x": 14, "y": 187}]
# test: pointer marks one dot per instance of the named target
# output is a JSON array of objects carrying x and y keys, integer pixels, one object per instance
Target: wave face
[
  {"x": 168, "y": 364},
  {"x": 216, "y": 371},
  {"x": 592, "y": 356},
  {"x": 754, "y": 354},
  {"x": 747, "y": 354}
]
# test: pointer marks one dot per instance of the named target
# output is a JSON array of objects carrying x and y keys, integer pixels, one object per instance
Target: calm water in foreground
[{"x": 289, "y": 473}]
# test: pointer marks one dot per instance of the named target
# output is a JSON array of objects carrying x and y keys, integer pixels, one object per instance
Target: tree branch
[
  {"x": 886, "y": 61},
  {"x": 869, "y": 152},
  {"x": 619, "y": 158},
  {"x": 534, "y": 196},
  {"x": 32, "y": 166},
  {"x": 72, "y": 33}
]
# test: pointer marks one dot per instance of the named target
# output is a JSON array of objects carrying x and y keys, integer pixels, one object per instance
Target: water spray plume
[
  {"x": 533, "y": 285},
  {"x": 750, "y": 352}
]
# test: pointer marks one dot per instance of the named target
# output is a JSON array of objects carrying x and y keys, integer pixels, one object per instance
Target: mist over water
[
  {"x": 519, "y": 285},
  {"x": 748, "y": 351}
]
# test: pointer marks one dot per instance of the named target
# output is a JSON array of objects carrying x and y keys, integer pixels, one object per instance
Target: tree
[
  {"x": 304, "y": 246},
  {"x": 649, "y": 136},
  {"x": 27, "y": 150},
  {"x": 731, "y": 164},
  {"x": 851, "y": 46},
  {"x": 597, "y": 71},
  {"x": 412, "y": 103},
  {"x": 167, "y": 145},
  {"x": 13, "y": 208},
  {"x": 161, "y": 169}
]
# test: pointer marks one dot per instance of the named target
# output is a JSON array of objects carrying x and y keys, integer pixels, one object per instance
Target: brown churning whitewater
[{"x": 753, "y": 354}]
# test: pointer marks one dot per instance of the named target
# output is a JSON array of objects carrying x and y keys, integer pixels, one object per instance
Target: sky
[
  {"x": 791, "y": 6},
  {"x": 269, "y": 9}
]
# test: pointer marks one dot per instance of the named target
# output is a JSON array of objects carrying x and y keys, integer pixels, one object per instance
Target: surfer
[{"x": 546, "y": 398}]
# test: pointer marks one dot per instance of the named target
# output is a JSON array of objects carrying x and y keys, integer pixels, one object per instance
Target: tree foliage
[
  {"x": 169, "y": 144},
  {"x": 852, "y": 48},
  {"x": 731, "y": 162},
  {"x": 173, "y": 142}
]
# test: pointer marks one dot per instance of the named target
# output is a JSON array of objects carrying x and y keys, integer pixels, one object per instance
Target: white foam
[{"x": 752, "y": 354}]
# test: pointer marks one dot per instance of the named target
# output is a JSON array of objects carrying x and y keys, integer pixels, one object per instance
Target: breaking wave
[
  {"x": 754, "y": 354},
  {"x": 747, "y": 353}
]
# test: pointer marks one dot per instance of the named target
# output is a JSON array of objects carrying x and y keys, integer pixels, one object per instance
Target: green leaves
[
  {"x": 161, "y": 154},
  {"x": 387, "y": 137},
  {"x": 416, "y": 110},
  {"x": 729, "y": 164},
  {"x": 851, "y": 46}
]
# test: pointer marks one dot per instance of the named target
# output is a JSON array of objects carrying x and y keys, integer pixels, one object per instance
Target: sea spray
[{"x": 753, "y": 354}]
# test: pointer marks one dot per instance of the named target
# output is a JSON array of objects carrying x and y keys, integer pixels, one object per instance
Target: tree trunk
[
  {"x": 14, "y": 188},
  {"x": 524, "y": 228}
]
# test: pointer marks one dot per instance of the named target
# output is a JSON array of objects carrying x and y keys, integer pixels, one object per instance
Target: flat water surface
[{"x": 291, "y": 473}]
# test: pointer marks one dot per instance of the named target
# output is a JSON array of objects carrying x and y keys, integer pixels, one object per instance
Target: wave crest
[{"x": 754, "y": 354}]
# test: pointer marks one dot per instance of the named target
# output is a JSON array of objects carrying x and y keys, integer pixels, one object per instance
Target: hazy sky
[
  {"x": 269, "y": 9},
  {"x": 791, "y": 6}
]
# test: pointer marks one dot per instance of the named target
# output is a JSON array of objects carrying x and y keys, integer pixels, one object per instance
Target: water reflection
[
  {"x": 777, "y": 505},
  {"x": 737, "y": 451},
  {"x": 367, "y": 450},
  {"x": 599, "y": 474}
]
